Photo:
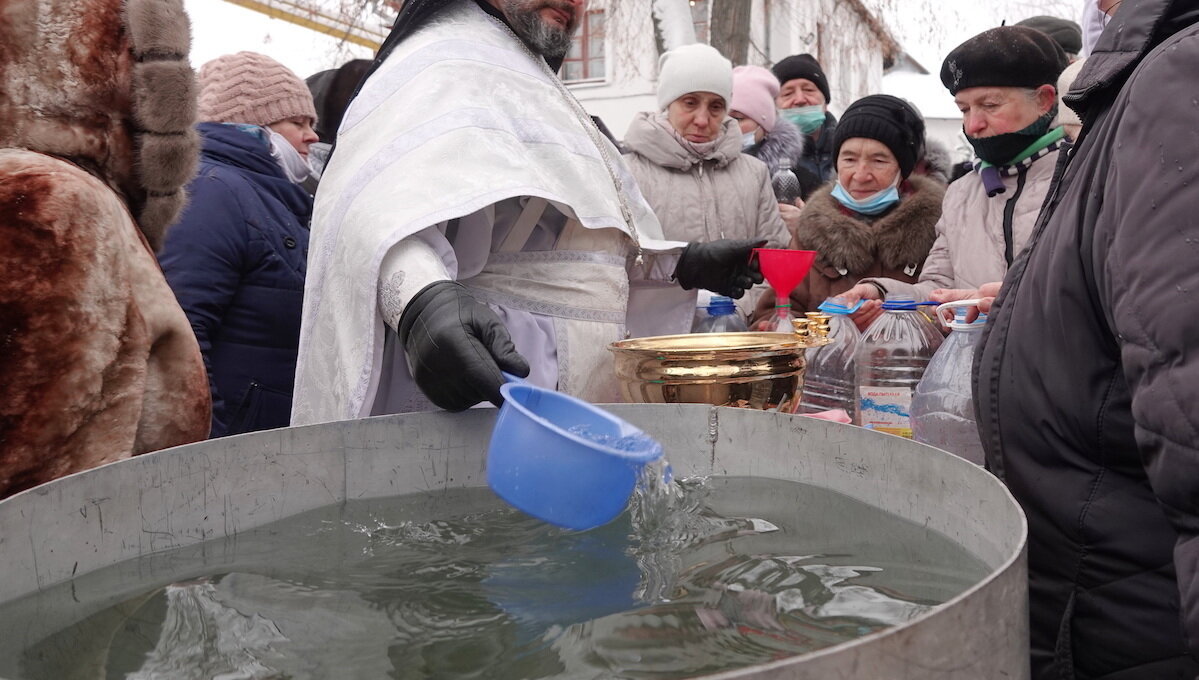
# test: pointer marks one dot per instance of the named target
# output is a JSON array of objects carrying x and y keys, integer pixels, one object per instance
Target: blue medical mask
[
  {"x": 807, "y": 118},
  {"x": 871, "y": 205},
  {"x": 748, "y": 141}
]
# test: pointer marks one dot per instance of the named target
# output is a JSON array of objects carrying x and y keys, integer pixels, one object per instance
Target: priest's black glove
[
  {"x": 456, "y": 347},
  {"x": 720, "y": 266}
]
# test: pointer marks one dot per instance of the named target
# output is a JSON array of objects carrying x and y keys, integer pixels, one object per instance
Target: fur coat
[
  {"x": 849, "y": 247},
  {"x": 97, "y": 361}
]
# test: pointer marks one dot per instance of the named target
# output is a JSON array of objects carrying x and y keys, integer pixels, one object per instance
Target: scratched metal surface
[{"x": 202, "y": 495}]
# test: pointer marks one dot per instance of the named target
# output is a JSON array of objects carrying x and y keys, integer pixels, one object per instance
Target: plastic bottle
[
  {"x": 943, "y": 405},
  {"x": 785, "y": 184},
  {"x": 829, "y": 378},
  {"x": 722, "y": 317},
  {"x": 890, "y": 361}
]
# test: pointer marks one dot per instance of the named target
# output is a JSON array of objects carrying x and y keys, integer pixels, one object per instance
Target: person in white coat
[{"x": 472, "y": 219}]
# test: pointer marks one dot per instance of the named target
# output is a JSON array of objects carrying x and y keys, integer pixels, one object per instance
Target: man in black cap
[
  {"x": 1066, "y": 33},
  {"x": 803, "y": 100}
]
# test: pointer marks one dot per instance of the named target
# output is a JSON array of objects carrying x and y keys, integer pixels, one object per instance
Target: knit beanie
[
  {"x": 248, "y": 87},
  {"x": 693, "y": 68},
  {"x": 803, "y": 66},
  {"x": 1066, "y": 33},
  {"x": 1008, "y": 56},
  {"x": 1065, "y": 114},
  {"x": 890, "y": 120},
  {"x": 754, "y": 90}
]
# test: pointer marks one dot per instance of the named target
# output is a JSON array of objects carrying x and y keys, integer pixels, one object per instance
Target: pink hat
[
  {"x": 248, "y": 87},
  {"x": 754, "y": 90}
]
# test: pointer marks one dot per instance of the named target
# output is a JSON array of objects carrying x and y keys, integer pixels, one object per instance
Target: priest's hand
[
  {"x": 723, "y": 266},
  {"x": 456, "y": 347}
]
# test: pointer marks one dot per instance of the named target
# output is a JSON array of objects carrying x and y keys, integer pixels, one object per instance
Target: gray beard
[{"x": 545, "y": 40}]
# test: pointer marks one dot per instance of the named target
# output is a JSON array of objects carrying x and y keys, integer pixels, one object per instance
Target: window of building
[
  {"x": 700, "y": 18},
  {"x": 585, "y": 61}
]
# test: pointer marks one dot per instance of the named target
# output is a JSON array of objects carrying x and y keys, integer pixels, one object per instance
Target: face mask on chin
[
  {"x": 873, "y": 204},
  {"x": 1001, "y": 149},
  {"x": 748, "y": 141},
  {"x": 807, "y": 118}
]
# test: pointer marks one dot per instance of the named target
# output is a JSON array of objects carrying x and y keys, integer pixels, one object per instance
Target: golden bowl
[{"x": 748, "y": 370}]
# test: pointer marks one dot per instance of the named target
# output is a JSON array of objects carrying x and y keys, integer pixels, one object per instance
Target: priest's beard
[{"x": 549, "y": 41}]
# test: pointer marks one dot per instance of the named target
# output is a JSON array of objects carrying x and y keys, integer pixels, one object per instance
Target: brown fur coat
[
  {"x": 97, "y": 361},
  {"x": 850, "y": 248}
]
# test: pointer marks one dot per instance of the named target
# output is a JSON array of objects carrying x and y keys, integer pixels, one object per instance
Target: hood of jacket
[
  {"x": 898, "y": 238},
  {"x": 232, "y": 146},
  {"x": 658, "y": 145},
  {"x": 117, "y": 97},
  {"x": 783, "y": 147},
  {"x": 1137, "y": 28}
]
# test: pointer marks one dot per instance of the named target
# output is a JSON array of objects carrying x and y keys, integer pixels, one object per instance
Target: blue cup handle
[{"x": 508, "y": 377}]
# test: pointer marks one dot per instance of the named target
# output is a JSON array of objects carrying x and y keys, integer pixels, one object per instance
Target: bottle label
[{"x": 886, "y": 409}]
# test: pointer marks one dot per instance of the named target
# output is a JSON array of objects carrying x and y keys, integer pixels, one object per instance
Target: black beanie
[
  {"x": 1066, "y": 33},
  {"x": 890, "y": 120},
  {"x": 802, "y": 66},
  {"x": 1008, "y": 56}
]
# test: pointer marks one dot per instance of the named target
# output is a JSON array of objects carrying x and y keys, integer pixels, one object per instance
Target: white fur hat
[
  {"x": 1065, "y": 114},
  {"x": 693, "y": 68}
]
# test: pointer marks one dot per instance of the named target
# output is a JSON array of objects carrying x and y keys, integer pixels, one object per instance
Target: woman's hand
[
  {"x": 985, "y": 294},
  {"x": 871, "y": 308},
  {"x": 790, "y": 214}
]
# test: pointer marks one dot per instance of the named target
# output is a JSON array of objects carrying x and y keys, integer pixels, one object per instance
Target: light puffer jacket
[
  {"x": 972, "y": 246},
  {"x": 726, "y": 194}
]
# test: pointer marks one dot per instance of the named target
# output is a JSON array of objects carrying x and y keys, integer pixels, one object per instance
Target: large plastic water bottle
[
  {"x": 890, "y": 361},
  {"x": 829, "y": 377},
  {"x": 722, "y": 317},
  {"x": 943, "y": 405}
]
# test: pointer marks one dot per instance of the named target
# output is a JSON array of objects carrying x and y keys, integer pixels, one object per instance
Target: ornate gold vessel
[{"x": 747, "y": 370}]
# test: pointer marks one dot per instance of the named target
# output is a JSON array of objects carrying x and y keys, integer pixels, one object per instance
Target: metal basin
[
  {"x": 762, "y": 371},
  {"x": 212, "y": 492}
]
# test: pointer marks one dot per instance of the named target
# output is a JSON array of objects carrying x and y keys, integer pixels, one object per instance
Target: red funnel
[{"x": 784, "y": 269}]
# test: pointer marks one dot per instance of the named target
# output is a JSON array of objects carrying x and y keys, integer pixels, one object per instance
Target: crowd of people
[{"x": 352, "y": 245}]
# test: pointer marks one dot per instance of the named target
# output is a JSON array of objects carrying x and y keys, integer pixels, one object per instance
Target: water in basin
[{"x": 722, "y": 573}]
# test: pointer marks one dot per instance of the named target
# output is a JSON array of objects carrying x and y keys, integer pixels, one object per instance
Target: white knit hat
[
  {"x": 1065, "y": 114},
  {"x": 693, "y": 68}
]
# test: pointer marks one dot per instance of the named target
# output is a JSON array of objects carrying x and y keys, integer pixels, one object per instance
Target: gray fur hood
[{"x": 783, "y": 147}]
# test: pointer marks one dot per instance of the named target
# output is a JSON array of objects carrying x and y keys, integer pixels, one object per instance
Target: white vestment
[{"x": 437, "y": 160}]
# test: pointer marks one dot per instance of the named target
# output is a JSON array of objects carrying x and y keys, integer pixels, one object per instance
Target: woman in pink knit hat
[
  {"x": 237, "y": 258},
  {"x": 769, "y": 137}
]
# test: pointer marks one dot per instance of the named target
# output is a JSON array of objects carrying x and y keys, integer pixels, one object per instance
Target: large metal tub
[{"x": 214, "y": 490}]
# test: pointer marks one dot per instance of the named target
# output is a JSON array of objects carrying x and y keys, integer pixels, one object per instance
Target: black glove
[
  {"x": 719, "y": 266},
  {"x": 457, "y": 347}
]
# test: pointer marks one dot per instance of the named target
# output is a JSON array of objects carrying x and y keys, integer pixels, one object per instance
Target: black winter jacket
[{"x": 1087, "y": 384}]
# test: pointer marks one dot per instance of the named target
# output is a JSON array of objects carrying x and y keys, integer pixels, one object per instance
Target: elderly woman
[
  {"x": 236, "y": 259},
  {"x": 769, "y": 137},
  {"x": 687, "y": 158},
  {"x": 1003, "y": 82},
  {"x": 876, "y": 218}
]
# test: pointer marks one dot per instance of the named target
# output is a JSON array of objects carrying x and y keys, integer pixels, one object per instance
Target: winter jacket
[
  {"x": 725, "y": 195},
  {"x": 818, "y": 160},
  {"x": 850, "y": 246},
  {"x": 236, "y": 261},
  {"x": 97, "y": 363},
  {"x": 979, "y": 236},
  {"x": 1088, "y": 378}
]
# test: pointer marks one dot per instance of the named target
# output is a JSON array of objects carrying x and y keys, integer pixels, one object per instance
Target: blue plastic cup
[{"x": 563, "y": 460}]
